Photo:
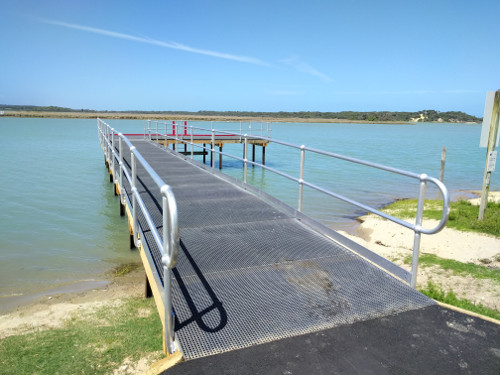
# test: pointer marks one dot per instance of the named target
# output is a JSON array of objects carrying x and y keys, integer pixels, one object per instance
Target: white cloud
[
  {"x": 172, "y": 45},
  {"x": 305, "y": 68}
]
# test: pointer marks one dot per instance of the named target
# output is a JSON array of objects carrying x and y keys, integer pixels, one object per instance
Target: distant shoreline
[{"x": 169, "y": 117}]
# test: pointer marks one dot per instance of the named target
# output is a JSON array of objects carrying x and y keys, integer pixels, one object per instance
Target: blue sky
[{"x": 270, "y": 55}]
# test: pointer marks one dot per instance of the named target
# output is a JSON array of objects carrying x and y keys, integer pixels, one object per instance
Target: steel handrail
[
  {"x": 424, "y": 179},
  {"x": 148, "y": 129},
  {"x": 169, "y": 243},
  {"x": 413, "y": 175}
]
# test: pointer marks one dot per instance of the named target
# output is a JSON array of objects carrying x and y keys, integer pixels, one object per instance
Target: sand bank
[
  {"x": 52, "y": 311},
  {"x": 394, "y": 242}
]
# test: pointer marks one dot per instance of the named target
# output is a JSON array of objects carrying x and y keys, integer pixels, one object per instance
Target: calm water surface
[{"x": 60, "y": 223}]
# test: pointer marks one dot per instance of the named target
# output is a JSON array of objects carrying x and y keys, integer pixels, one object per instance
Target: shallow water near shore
[{"x": 61, "y": 230}]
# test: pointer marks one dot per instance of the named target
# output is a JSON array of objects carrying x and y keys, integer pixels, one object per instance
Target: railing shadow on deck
[{"x": 197, "y": 315}]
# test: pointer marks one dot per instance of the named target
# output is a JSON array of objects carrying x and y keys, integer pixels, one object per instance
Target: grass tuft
[
  {"x": 95, "y": 346},
  {"x": 458, "y": 268},
  {"x": 463, "y": 215},
  {"x": 438, "y": 294}
]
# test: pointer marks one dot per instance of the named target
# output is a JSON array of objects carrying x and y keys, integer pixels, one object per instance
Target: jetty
[{"x": 246, "y": 284}]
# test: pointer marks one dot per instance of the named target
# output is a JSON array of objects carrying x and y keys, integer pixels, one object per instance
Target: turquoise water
[
  {"x": 60, "y": 223},
  {"x": 416, "y": 148}
]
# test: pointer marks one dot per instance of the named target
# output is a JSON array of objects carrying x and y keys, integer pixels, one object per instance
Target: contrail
[
  {"x": 172, "y": 45},
  {"x": 305, "y": 68}
]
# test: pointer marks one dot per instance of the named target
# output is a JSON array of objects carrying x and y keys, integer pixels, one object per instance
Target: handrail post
[
  {"x": 122, "y": 195},
  {"x": 106, "y": 138},
  {"x": 212, "y": 159},
  {"x": 301, "y": 178},
  {"x": 109, "y": 146},
  {"x": 112, "y": 155},
  {"x": 245, "y": 159},
  {"x": 169, "y": 332},
  {"x": 169, "y": 259},
  {"x": 177, "y": 142},
  {"x": 165, "y": 131},
  {"x": 192, "y": 144},
  {"x": 418, "y": 234},
  {"x": 134, "y": 199}
]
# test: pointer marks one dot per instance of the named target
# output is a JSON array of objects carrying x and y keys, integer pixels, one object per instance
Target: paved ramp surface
[
  {"x": 430, "y": 340},
  {"x": 250, "y": 272}
]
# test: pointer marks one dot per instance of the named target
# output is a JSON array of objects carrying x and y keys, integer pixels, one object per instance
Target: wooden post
[
  {"x": 264, "y": 154},
  {"x": 443, "y": 160},
  {"x": 492, "y": 137},
  {"x": 253, "y": 152},
  {"x": 148, "y": 293},
  {"x": 204, "y": 154},
  {"x": 220, "y": 157}
]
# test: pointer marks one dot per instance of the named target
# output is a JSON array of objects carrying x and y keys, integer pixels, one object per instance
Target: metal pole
[
  {"x": 122, "y": 194},
  {"x": 165, "y": 132},
  {"x": 212, "y": 157},
  {"x": 192, "y": 144},
  {"x": 301, "y": 178},
  {"x": 177, "y": 139},
  {"x": 169, "y": 332},
  {"x": 443, "y": 160},
  {"x": 134, "y": 199},
  {"x": 418, "y": 234},
  {"x": 174, "y": 133},
  {"x": 245, "y": 159},
  {"x": 113, "y": 179},
  {"x": 106, "y": 138},
  {"x": 492, "y": 136}
]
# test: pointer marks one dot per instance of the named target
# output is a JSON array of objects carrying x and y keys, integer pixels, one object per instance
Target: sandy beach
[
  {"x": 51, "y": 311},
  {"x": 394, "y": 242}
]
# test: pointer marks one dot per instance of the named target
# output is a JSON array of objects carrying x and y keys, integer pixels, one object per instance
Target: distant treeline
[
  {"x": 384, "y": 116},
  {"x": 422, "y": 116}
]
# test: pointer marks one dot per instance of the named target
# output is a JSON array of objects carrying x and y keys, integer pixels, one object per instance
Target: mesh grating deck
[{"x": 249, "y": 273}]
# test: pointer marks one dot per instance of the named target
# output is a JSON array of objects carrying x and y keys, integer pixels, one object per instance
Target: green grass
[
  {"x": 93, "y": 345},
  {"x": 458, "y": 268},
  {"x": 463, "y": 215},
  {"x": 451, "y": 298}
]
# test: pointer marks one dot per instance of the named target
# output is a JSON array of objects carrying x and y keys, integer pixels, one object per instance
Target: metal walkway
[{"x": 249, "y": 271}]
